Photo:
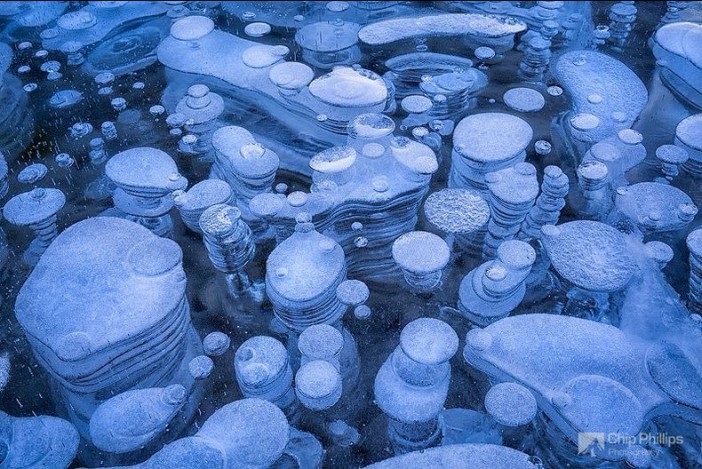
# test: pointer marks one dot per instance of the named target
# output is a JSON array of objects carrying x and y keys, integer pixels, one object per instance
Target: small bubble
[
  {"x": 542, "y": 147},
  {"x": 554, "y": 90},
  {"x": 360, "y": 242},
  {"x": 29, "y": 87}
]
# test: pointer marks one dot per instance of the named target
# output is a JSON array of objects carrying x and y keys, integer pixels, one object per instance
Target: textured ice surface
[
  {"x": 483, "y": 26},
  {"x": 456, "y": 456},
  {"x": 221, "y": 217}
]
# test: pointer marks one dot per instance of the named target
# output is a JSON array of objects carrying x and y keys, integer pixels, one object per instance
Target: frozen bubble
[
  {"x": 337, "y": 7},
  {"x": 65, "y": 98},
  {"x": 64, "y": 160},
  {"x": 216, "y": 343},
  {"x": 511, "y": 404},
  {"x": 591, "y": 255},
  {"x": 119, "y": 104},
  {"x": 157, "y": 110},
  {"x": 524, "y": 100},
  {"x": 585, "y": 121},
  {"x": 318, "y": 385},
  {"x": 29, "y": 87},
  {"x": 416, "y": 104},
  {"x": 630, "y": 136},
  {"x": 554, "y": 90},
  {"x": 32, "y": 173},
  {"x": 352, "y": 292},
  {"x": 420, "y": 252},
  {"x": 371, "y": 126},
  {"x": 457, "y": 210},
  {"x": 321, "y": 342},
  {"x": 291, "y": 75},
  {"x": 192, "y": 28},
  {"x": 257, "y": 29},
  {"x": 373, "y": 150},
  {"x": 104, "y": 78},
  {"x": 672, "y": 154},
  {"x": 542, "y": 147},
  {"x": 484, "y": 53},
  {"x": 362, "y": 312},
  {"x": 263, "y": 56},
  {"x": 333, "y": 160},
  {"x": 360, "y": 242},
  {"x": 347, "y": 87},
  {"x": 297, "y": 198},
  {"x": 429, "y": 341},
  {"x": 77, "y": 20}
]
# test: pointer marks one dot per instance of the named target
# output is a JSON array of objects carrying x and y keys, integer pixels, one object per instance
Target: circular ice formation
[
  {"x": 32, "y": 173},
  {"x": 33, "y": 207},
  {"x": 333, "y": 160},
  {"x": 320, "y": 342},
  {"x": 689, "y": 132},
  {"x": 216, "y": 343},
  {"x": 416, "y": 104},
  {"x": 263, "y": 56},
  {"x": 291, "y": 75},
  {"x": 457, "y": 210},
  {"x": 318, "y": 385},
  {"x": 524, "y": 100},
  {"x": 655, "y": 206},
  {"x": 371, "y": 126},
  {"x": 511, "y": 404},
  {"x": 429, "y": 341},
  {"x": 251, "y": 432},
  {"x": 589, "y": 254},
  {"x": 352, "y": 292},
  {"x": 257, "y": 29},
  {"x": 671, "y": 154},
  {"x": 347, "y": 87},
  {"x": 192, "y": 28},
  {"x": 144, "y": 169},
  {"x": 491, "y": 137},
  {"x": 420, "y": 252}
]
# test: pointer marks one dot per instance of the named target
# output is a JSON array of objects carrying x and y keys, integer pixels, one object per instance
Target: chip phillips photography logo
[
  {"x": 615, "y": 445},
  {"x": 591, "y": 443}
]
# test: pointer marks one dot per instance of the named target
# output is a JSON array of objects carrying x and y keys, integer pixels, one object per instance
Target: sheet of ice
[
  {"x": 622, "y": 96},
  {"x": 457, "y": 24}
]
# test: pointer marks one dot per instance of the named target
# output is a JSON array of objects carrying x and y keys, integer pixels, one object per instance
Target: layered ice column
[
  {"x": 549, "y": 204},
  {"x": 484, "y": 143},
  {"x": 412, "y": 384},
  {"x": 492, "y": 290},
  {"x": 306, "y": 283},
  {"x": 105, "y": 312},
  {"x": 145, "y": 178},
  {"x": 512, "y": 194},
  {"x": 230, "y": 244},
  {"x": 37, "y": 210},
  {"x": 247, "y": 166},
  {"x": 263, "y": 371}
]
